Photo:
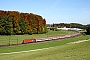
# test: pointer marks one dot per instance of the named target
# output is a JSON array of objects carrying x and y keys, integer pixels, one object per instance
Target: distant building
[{"x": 76, "y": 29}]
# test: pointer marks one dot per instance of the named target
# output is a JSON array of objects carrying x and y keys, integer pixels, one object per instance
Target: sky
[{"x": 54, "y": 11}]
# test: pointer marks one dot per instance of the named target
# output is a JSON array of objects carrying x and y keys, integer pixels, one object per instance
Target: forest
[
  {"x": 18, "y": 23},
  {"x": 69, "y": 25}
]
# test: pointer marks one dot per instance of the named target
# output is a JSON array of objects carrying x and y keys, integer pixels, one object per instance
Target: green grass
[
  {"x": 6, "y": 40},
  {"x": 61, "y": 50},
  {"x": 41, "y": 45}
]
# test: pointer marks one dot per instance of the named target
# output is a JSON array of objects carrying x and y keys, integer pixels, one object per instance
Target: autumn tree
[{"x": 14, "y": 22}]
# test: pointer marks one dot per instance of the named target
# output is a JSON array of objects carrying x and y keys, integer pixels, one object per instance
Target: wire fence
[
  {"x": 9, "y": 41},
  {"x": 6, "y": 40}
]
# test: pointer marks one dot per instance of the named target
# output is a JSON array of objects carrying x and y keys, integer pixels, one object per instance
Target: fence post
[
  {"x": 17, "y": 40},
  {"x": 9, "y": 41}
]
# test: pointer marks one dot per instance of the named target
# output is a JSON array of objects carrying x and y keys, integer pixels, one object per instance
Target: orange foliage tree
[{"x": 21, "y": 23}]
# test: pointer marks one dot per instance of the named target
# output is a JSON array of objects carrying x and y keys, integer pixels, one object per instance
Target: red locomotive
[{"x": 29, "y": 41}]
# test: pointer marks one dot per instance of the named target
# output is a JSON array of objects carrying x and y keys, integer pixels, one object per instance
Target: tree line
[
  {"x": 69, "y": 25},
  {"x": 14, "y": 22}
]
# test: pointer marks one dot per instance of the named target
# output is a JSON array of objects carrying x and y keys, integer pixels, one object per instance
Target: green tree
[
  {"x": 88, "y": 29},
  {"x": 6, "y": 26},
  {"x": 22, "y": 26}
]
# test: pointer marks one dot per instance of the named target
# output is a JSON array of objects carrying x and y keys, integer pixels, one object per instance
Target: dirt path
[{"x": 76, "y": 42}]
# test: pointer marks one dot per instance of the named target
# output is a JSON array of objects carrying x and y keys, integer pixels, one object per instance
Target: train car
[
  {"x": 29, "y": 41},
  {"x": 61, "y": 37},
  {"x": 67, "y": 36},
  {"x": 40, "y": 40},
  {"x": 48, "y": 39},
  {"x": 45, "y": 39},
  {"x": 55, "y": 38}
]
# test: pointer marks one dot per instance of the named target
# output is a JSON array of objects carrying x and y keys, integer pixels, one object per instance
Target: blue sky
[{"x": 54, "y": 11}]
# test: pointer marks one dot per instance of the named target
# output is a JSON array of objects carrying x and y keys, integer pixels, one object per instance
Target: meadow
[
  {"x": 60, "y": 51},
  {"x": 17, "y": 39}
]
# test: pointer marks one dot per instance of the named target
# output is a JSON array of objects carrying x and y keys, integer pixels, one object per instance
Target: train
[
  {"x": 25, "y": 41},
  {"x": 28, "y": 41}
]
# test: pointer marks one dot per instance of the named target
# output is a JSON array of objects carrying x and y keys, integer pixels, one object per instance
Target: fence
[
  {"x": 14, "y": 39},
  {"x": 8, "y": 41},
  {"x": 17, "y": 39}
]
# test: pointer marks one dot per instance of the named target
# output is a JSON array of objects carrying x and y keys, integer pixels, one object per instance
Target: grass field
[
  {"x": 60, "y": 51},
  {"x": 15, "y": 39}
]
